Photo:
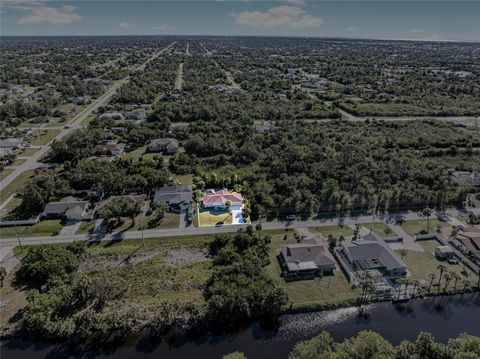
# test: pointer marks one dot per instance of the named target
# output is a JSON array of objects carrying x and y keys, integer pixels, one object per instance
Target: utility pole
[
  {"x": 141, "y": 228},
  {"x": 19, "y": 242}
]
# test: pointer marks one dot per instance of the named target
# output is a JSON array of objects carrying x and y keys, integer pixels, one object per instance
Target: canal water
[{"x": 444, "y": 317}]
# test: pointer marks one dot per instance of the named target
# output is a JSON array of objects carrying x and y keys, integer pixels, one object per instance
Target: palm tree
[
  {"x": 442, "y": 269},
  {"x": 456, "y": 277},
  {"x": 427, "y": 212},
  {"x": 432, "y": 278},
  {"x": 448, "y": 278}
]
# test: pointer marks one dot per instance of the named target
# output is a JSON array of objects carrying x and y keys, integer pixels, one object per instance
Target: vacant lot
[
  {"x": 326, "y": 291},
  {"x": 416, "y": 227},
  {"x": 340, "y": 230},
  {"x": 378, "y": 228},
  {"x": 27, "y": 151},
  {"x": 43, "y": 228},
  {"x": 15, "y": 185},
  {"x": 42, "y": 137}
]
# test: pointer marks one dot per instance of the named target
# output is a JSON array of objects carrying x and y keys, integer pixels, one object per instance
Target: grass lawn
[
  {"x": 11, "y": 206},
  {"x": 421, "y": 265},
  {"x": 140, "y": 152},
  {"x": 378, "y": 228},
  {"x": 27, "y": 152},
  {"x": 85, "y": 227},
  {"x": 328, "y": 290},
  {"x": 414, "y": 227},
  {"x": 5, "y": 173},
  {"x": 89, "y": 119},
  {"x": 186, "y": 180},
  {"x": 18, "y": 162},
  {"x": 42, "y": 228},
  {"x": 42, "y": 137},
  {"x": 210, "y": 217},
  {"x": 170, "y": 220},
  {"x": 16, "y": 185},
  {"x": 340, "y": 230}
]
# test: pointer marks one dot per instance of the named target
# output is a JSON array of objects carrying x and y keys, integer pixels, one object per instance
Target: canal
[{"x": 444, "y": 317}]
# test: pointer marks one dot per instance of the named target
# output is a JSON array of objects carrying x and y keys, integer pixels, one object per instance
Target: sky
[{"x": 453, "y": 20}]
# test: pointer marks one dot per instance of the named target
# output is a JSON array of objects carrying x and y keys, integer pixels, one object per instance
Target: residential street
[{"x": 75, "y": 123}]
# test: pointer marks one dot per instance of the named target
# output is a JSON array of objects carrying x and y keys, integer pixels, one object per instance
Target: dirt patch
[
  {"x": 173, "y": 257},
  {"x": 183, "y": 256}
]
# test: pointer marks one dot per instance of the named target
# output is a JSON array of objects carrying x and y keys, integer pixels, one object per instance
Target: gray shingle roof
[{"x": 305, "y": 256}]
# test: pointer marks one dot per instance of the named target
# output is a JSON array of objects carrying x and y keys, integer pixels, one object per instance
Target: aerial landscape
[{"x": 279, "y": 183}]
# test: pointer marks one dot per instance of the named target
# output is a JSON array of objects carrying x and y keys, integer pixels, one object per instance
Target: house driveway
[{"x": 70, "y": 228}]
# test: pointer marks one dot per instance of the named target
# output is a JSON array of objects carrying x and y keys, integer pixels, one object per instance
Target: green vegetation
[
  {"x": 5, "y": 172},
  {"x": 421, "y": 226},
  {"x": 16, "y": 186},
  {"x": 211, "y": 217},
  {"x": 42, "y": 137},
  {"x": 425, "y": 266},
  {"x": 27, "y": 151},
  {"x": 46, "y": 227},
  {"x": 378, "y": 228},
  {"x": 337, "y": 231},
  {"x": 368, "y": 345}
]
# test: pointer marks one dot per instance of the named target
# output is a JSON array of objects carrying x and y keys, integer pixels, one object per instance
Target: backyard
[{"x": 422, "y": 265}]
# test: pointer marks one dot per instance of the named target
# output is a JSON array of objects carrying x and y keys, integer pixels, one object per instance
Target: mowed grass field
[
  {"x": 321, "y": 292},
  {"x": 415, "y": 227},
  {"x": 337, "y": 230},
  {"x": 42, "y": 228},
  {"x": 421, "y": 265}
]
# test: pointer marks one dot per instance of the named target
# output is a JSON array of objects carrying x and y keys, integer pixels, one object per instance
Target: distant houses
[
  {"x": 305, "y": 260},
  {"x": 167, "y": 145},
  {"x": 79, "y": 100},
  {"x": 68, "y": 208},
  {"x": 110, "y": 149},
  {"x": 39, "y": 120},
  {"x": 466, "y": 178},
  {"x": 219, "y": 199},
  {"x": 136, "y": 116}
]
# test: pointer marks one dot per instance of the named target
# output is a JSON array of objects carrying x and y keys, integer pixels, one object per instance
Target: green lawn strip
[
  {"x": 421, "y": 265},
  {"x": 140, "y": 152},
  {"x": 170, "y": 220},
  {"x": 326, "y": 291},
  {"x": 42, "y": 228},
  {"x": 378, "y": 228},
  {"x": 339, "y": 230},
  {"x": 6, "y": 212},
  {"x": 5, "y": 173},
  {"x": 15, "y": 185},
  {"x": 212, "y": 217},
  {"x": 42, "y": 137},
  {"x": 86, "y": 227},
  {"x": 417, "y": 226},
  {"x": 87, "y": 120},
  {"x": 27, "y": 151},
  {"x": 18, "y": 162}
]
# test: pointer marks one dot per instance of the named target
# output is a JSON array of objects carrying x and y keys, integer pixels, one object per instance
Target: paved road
[
  {"x": 179, "y": 79},
  {"x": 175, "y": 232},
  {"x": 75, "y": 123}
]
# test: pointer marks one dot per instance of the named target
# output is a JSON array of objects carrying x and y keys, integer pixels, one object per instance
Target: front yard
[
  {"x": 417, "y": 226},
  {"x": 43, "y": 228},
  {"x": 337, "y": 231},
  {"x": 211, "y": 217}
]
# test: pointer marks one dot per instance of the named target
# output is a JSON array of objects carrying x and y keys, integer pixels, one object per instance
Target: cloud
[
  {"x": 417, "y": 31},
  {"x": 297, "y": 2},
  {"x": 40, "y": 12},
  {"x": 162, "y": 28},
  {"x": 281, "y": 16},
  {"x": 435, "y": 37},
  {"x": 351, "y": 29},
  {"x": 127, "y": 25}
]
